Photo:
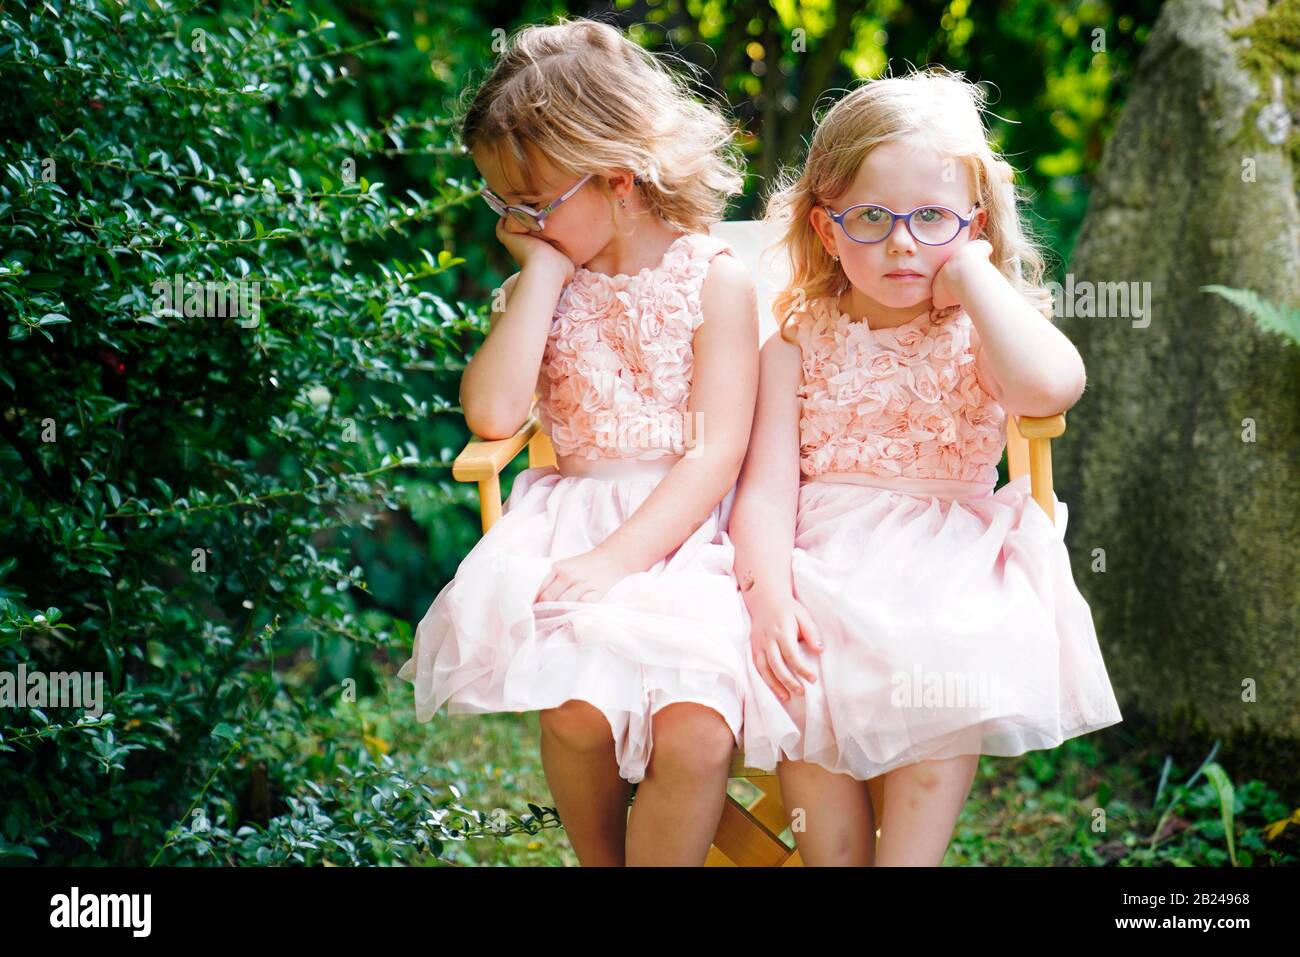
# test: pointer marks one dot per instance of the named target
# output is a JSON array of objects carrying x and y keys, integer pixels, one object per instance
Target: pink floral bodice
[
  {"x": 905, "y": 401},
  {"x": 616, "y": 373}
]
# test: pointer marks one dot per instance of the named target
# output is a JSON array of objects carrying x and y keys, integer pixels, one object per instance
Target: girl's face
[
  {"x": 581, "y": 226},
  {"x": 898, "y": 271}
]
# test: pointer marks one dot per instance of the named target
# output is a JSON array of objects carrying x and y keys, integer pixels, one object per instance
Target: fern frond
[{"x": 1271, "y": 317}]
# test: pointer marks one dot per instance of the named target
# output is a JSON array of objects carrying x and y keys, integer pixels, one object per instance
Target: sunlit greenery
[{"x": 238, "y": 524}]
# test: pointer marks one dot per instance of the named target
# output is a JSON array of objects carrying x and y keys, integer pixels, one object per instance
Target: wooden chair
[{"x": 749, "y": 833}]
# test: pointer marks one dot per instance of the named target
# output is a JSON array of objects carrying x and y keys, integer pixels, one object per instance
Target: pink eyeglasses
[{"x": 534, "y": 219}]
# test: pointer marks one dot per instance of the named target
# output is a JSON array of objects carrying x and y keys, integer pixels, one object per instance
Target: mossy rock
[{"x": 1180, "y": 461}]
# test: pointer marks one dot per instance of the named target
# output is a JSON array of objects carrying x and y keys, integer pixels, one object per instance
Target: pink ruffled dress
[
  {"x": 613, "y": 389},
  {"x": 951, "y": 621}
]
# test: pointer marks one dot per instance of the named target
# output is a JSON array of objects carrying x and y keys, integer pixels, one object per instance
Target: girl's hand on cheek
[
  {"x": 527, "y": 250},
  {"x": 946, "y": 289}
]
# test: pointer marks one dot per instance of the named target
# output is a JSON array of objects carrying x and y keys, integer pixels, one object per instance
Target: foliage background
[{"x": 251, "y": 711}]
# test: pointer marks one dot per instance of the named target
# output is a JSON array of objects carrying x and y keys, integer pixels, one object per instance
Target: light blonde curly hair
[
  {"x": 592, "y": 100},
  {"x": 937, "y": 103}
]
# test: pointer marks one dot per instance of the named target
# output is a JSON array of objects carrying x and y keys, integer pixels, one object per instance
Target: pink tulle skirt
[
  {"x": 951, "y": 623},
  {"x": 674, "y": 633}
]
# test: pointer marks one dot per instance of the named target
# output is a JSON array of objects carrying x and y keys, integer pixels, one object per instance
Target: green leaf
[
  {"x": 16, "y": 850},
  {"x": 1280, "y": 320},
  {"x": 1223, "y": 788}
]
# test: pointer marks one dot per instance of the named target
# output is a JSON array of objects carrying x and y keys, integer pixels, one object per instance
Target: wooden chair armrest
[
  {"x": 1044, "y": 427},
  {"x": 485, "y": 458},
  {"x": 1029, "y": 449},
  {"x": 483, "y": 461}
]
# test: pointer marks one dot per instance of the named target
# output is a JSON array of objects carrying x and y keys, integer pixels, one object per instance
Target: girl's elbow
[
  {"x": 1076, "y": 391},
  {"x": 1043, "y": 398},
  {"x": 1058, "y": 397},
  {"x": 1052, "y": 395},
  {"x": 1069, "y": 388},
  {"x": 490, "y": 424}
]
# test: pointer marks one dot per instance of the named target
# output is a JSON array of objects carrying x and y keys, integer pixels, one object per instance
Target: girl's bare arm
[
  {"x": 763, "y": 523},
  {"x": 1032, "y": 367},
  {"x": 763, "y": 517},
  {"x": 723, "y": 388},
  {"x": 498, "y": 384},
  {"x": 496, "y": 389}
]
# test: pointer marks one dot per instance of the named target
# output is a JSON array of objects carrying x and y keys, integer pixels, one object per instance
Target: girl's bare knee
[
  {"x": 690, "y": 738},
  {"x": 577, "y": 725}
]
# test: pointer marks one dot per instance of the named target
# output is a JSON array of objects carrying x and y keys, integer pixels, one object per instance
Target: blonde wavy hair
[
  {"x": 591, "y": 100},
  {"x": 937, "y": 103}
]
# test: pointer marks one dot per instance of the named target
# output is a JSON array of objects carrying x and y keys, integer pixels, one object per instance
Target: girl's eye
[
  {"x": 929, "y": 214},
  {"x": 872, "y": 215}
]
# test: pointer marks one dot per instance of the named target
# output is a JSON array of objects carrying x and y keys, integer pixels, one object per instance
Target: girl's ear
[
  {"x": 825, "y": 229},
  {"x": 978, "y": 222},
  {"x": 621, "y": 183}
]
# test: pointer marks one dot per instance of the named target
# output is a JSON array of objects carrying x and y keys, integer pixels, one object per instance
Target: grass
[{"x": 1091, "y": 802}]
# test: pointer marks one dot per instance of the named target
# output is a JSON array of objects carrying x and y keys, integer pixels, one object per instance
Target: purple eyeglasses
[
  {"x": 534, "y": 219},
  {"x": 929, "y": 225}
]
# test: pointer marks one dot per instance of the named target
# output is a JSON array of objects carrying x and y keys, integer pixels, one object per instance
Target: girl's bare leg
[
  {"x": 830, "y": 815},
  {"x": 924, "y": 800},
  {"x": 590, "y": 796},
  {"x": 679, "y": 801}
]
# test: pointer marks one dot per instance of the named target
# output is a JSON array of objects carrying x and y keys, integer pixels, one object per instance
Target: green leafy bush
[{"x": 179, "y": 473}]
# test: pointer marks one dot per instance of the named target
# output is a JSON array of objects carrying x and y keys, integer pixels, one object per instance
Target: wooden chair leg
[
  {"x": 768, "y": 806},
  {"x": 489, "y": 499},
  {"x": 744, "y": 841},
  {"x": 1040, "y": 474},
  {"x": 750, "y": 836}
]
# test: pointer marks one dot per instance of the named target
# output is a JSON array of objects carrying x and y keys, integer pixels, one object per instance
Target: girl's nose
[{"x": 900, "y": 240}]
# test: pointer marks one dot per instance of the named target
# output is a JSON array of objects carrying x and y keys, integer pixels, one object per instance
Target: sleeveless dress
[
  {"x": 613, "y": 388},
  {"x": 950, "y": 619}
]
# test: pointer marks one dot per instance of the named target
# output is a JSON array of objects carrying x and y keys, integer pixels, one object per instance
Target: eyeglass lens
[
  {"x": 933, "y": 225},
  {"x": 518, "y": 215}
]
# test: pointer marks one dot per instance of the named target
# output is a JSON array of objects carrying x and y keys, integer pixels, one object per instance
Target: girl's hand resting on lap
[
  {"x": 586, "y": 577},
  {"x": 778, "y": 626}
]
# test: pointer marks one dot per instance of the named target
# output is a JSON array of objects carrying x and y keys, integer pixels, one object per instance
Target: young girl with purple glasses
[{"x": 906, "y": 617}]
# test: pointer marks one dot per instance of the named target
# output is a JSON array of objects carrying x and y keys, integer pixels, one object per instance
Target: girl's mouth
[{"x": 903, "y": 274}]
